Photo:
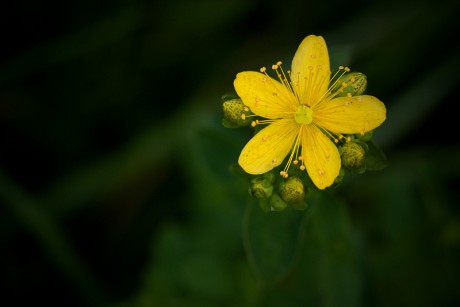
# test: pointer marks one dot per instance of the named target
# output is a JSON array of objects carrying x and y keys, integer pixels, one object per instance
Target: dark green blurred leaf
[
  {"x": 271, "y": 241},
  {"x": 375, "y": 158}
]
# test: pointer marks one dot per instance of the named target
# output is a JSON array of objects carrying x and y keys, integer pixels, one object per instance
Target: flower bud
[
  {"x": 367, "y": 136},
  {"x": 292, "y": 190},
  {"x": 236, "y": 114},
  {"x": 356, "y": 84},
  {"x": 261, "y": 188},
  {"x": 277, "y": 203},
  {"x": 353, "y": 155}
]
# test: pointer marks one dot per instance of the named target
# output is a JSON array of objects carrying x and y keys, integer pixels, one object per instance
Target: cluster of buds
[{"x": 275, "y": 193}]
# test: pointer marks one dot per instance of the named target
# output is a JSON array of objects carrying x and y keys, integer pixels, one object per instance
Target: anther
[
  {"x": 300, "y": 158},
  {"x": 310, "y": 67},
  {"x": 246, "y": 109},
  {"x": 302, "y": 167},
  {"x": 347, "y": 69},
  {"x": 243, "y": 117},
  {"x": 263, "y": 69},
  {"x": 279, "y": 63},
  {"x": 341, "y": 67},
  {"x": 348, "y": 139},
  {"x": 253, "y": 124},
  {"x": 344, "y": 84},
  {"x": 349, "y": 95},
  {"x": 275, "y": 67},
  {"x": 295, "y": 162}
]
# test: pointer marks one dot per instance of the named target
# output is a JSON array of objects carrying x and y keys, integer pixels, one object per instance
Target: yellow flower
[{"x": 304, "y": 115}]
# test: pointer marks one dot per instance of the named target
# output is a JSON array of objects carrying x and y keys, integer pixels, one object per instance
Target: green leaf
[
  {"x": 271, "y": 241},
  {"x": 375, "y": 158}
]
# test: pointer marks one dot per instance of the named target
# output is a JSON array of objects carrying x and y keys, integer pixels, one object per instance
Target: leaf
[
  {"x": 271, "y": 241},
  {"x": 375, "y": 158}
]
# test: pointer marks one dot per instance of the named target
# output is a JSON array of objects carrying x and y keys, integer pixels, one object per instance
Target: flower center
[{"x": 303, "y": 115}]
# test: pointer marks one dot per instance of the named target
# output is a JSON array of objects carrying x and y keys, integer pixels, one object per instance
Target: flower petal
[
  {"x": 265, "y": 96},
  {"x": 350, "y": 115},
  {"x": 311, "y": 70},
  {"x": 321, "y": 157},
  {"x": 267, "y": 149}
]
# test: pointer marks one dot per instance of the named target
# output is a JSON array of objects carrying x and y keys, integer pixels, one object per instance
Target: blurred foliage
[{"x": 114, "y": 180}]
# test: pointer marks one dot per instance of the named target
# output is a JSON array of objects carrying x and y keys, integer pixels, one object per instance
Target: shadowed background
[{"x": 114, "y": 181}]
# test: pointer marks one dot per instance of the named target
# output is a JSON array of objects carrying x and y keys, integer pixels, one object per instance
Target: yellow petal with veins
[
  {"x": 269, "y": 147},
  {"x": 265, "y": 96},
  {"x": 350, "y": 115},
  {"x": 321, "y": 157},
  {"x": 310, "y": 70}
]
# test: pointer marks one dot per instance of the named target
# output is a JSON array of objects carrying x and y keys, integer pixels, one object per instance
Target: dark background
[{"x": 114, "y": 181}]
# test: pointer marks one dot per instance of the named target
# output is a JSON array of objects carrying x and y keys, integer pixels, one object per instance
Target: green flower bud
[
  {"x": 292, "y": 190},
  {"x": 261, "y": 188},
  {"x": 353, "y": 83},
  {"x": 236, "y": 114},
  {"x": 277, "y": 203},
  {"x": 367, "y": 136},
  {"x": 353, "y": 155}
]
